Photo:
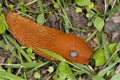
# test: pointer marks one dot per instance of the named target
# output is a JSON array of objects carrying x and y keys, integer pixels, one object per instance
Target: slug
[{"x": 30, "y": 34}]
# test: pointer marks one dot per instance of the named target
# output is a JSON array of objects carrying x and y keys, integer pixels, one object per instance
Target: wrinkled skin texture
[{"x": 31, "y": 34}]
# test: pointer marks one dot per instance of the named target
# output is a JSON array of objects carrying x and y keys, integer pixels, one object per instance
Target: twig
[
  {"x": 31, "y": 2},
  {"x": 91, "y": 36},
  {"x": 18, "y": 70},
  {"x": 6, "y": 3},
  {"x": 105, "y": 2},
  {"x": 26, "y": 15},
  {"x": 114, "y": 3}
]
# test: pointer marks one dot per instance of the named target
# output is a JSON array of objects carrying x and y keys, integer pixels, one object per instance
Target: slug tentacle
[{"x": 31, "y": 34}]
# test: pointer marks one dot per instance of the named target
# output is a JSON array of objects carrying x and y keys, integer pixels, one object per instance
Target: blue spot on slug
[{"x": 73, "y": 54}]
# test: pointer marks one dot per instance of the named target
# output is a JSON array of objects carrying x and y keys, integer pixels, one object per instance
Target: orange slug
[{"x": 30, "y": 34}]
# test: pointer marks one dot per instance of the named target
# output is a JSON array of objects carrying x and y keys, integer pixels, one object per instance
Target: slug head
[{"x": 73, "y": 48}]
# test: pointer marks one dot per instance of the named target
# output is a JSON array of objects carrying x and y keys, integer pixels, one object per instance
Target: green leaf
[
  {"x": 52, "y": 54},
  {"x": 11, "y": 7},
  {"x": 82, "y": 2},
  {"x": 37, "y": 67},
  {"x": 90, "y": 6},
  {"x": 104, "y": 71},
  {"x": 9, "y": 76},
  {"x": 2, "y": 79},
  {"x": 97, "y": 78},
  {"x": 25, "y": 65},
  {"x": 1, "y": 68},
  {"x": 116, "y": 77},
  {"x": 81, "y": 69},
  {"x": 63, "y": 72},
  {"x": 77, "y": 10},
  {"x": 41, "y": 6},
  {"x": 56, "y": 5},
  {"x": 41, "y": 18},
  {"x": 29, "y": 50},
  {"x": 99, "y": 56},
  {"x": 3, "y": 24},
  {"x": 30, "y": 54},
  {"x": 50, "y": 69},
  {"x": 22, "y": 7},
  {"x": 2, "y": 44},
  {"x": 31, "y": 65},
  {"x": 118, "y": 46},
  {"x": 98, "y": 23},
  {"x": 37, "y": 75},
  {"x": 89, "y": 24},
  {"x": 106, "y": 49}
]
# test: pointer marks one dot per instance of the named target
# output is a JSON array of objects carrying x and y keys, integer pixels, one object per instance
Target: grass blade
[
  {"x": 54, "y": 55},
  {"x": 18, "y": 47},
  {"x": 104, "y": 71},
  {"x": 9, "y": 76}
]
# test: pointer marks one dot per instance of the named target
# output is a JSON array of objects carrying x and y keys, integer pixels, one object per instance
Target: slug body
[{"x": 31, "y": 34}]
